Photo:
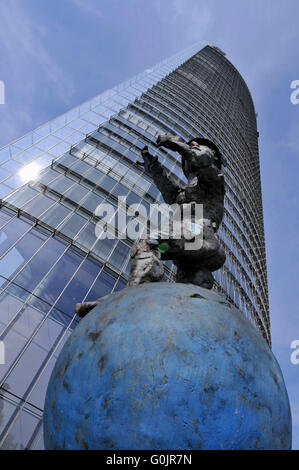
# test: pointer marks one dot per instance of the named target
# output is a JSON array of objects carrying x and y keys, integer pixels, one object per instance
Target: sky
[{"x": 57, "y": 54}]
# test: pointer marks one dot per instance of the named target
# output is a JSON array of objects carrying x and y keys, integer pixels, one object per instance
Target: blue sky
[{"x": 56, "y": 54}]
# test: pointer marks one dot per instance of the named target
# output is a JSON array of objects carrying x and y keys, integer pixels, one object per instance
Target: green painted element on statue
[{"x": 163, "y": 247}]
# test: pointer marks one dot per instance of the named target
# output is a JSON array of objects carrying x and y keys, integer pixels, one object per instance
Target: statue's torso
[{"x": 208, "y": 191}]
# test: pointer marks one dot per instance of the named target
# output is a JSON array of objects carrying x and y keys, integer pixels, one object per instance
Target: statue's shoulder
[{"x": 220, "y": 182}]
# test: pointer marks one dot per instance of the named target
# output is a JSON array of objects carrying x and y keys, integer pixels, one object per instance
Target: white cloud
[
  {"x": 258, "y": 37},
  {"x": 292, "y": 141},
  {"x": 17, "y": 34},
  {"x": 27, "y": 68},
  {"x": 197, "y": 16},
  {"x": 89, "y": 8},
  {"x": 190, "y": 19}
]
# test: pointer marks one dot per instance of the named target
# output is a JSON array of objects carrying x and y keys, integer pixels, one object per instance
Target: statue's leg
[
  {"x": 210, "y": 243},
  {"x": 84, "y": 308},
  {"x": 209, "y": 252},
  {"x": 198, "y": 275},
  {"x": 196, "y": 266},
  {"x": 146, "y": 264},
  {"x": 216, "y": 261}
]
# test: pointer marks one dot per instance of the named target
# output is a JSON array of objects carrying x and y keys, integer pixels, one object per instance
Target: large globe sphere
[{"x": 166, "y": 366}]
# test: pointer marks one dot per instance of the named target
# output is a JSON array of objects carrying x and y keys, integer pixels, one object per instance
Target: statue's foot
[
  {"x": 84, "y": 308},
  {"x": 201, "y": 277},
  {"x": 146, "y": 270},
  {"x": 146, "y": 264}
]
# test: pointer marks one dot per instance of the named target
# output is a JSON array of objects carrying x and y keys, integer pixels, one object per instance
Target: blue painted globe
[{"x": 166, "y": 366}]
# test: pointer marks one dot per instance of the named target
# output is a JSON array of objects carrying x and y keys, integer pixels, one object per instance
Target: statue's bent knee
[{"x": 146, "y": 264}]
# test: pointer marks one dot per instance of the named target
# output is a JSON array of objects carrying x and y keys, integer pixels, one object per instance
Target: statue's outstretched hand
[
  {"x": 169, "y": 141},
  {"x": 148, "y": 159},
  {"x": 164, "y": 140}
]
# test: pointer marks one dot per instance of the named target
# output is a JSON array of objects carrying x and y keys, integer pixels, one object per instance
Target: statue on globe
[
  {"x": 201, "y": 164},
  {"x": 190, "y": 239},
  {"x": 140, "y": 336}
]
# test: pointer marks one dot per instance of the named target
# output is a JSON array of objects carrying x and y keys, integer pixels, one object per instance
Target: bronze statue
[
  {"x": 201, "y": 164},
  {"x": 198, "y": 252}
]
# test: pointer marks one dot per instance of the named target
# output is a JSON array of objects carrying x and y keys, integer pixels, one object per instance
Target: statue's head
[{"x": 201, "y": 143}]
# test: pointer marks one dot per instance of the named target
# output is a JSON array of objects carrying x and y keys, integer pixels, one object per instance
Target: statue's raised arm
[
  {"x": 168, "y": 188},
  {"x": 175, "y": 143},
  {"x": 199, "y": 151}
]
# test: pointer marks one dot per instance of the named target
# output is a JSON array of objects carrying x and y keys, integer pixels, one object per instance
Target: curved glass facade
[{"x": 50, "y": 253}]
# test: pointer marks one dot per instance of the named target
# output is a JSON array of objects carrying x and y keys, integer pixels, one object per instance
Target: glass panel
[
  {"x": 23, "y": 142},
  {"x": 37, "y": 397},
  {"x": 55, "y": 215},
  {"x": 4, "y": 218},
  {"x": 72, "y": 114},
  {"x": 87, "y": 235},
  {"x": 90, "y": 116},
  {"x": 120, "y": 285},
  {"x": 39, "y": 205},
  {"x": 77, "y": 123},
  {"x": 103, "y": 247},
  {"x": 18, "y": 335},
  {"x": 4, "y": 154},
  {"x": 119, "y": 190},
  {"x": 57, "y": 123},
  {"x": 47, "y": 175},
  {"x": 53, "y": 284},
  {"x": 33, "y": 273},
  {"x": 20, "y": 253},
  {"x": 120, "y": 168},
  {"x": 48, "y": 142},
  {"x": 4, "y": 191},
  {"x": 75, "y": 137},
  {"x": 80, "y": 167},
  {"x": 102, "y": 286},
  {"x": 153, "y": 191},
  {"x": 11, "y": 166},
  {"x": 132, "y": 198},
  {"x": 11, "y": 232},
  {"x": 63, "y": 132},
  {"x": 90, "y": 127},
  {"x": 108, "y": 161},
  {"x": 144, "y": 184},
  {"x": 76, "y": 193},
  {"x": 61, "y": 184},
  {"x": 43, "y": 130},
  {"x": 67, "y": 160},
  {"x": 14, "y": 182},
  {"x": 73, "y": 225},
  {"x": 32, "y": 359},
  {"x": 92, "y": 201},
  {"x": 9, "y": 306},
  {"x": 29, "y": 154},
  {"x": 20, "y": 197},
  {"x": 94, "y": 175},
  {"x": 6, "y": 411},
  {"x": 107, "y": 183},
  {"x": 79, "y": 285},
  {"x": 119, "y": 255}
]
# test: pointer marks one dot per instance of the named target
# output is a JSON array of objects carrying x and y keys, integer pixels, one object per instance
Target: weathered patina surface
[
  {"x": 166, "y": 366},
  {"x": 201, "y": 164}
]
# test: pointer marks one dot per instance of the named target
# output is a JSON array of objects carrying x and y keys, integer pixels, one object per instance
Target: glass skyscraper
[{"x": 55, "y": 178}]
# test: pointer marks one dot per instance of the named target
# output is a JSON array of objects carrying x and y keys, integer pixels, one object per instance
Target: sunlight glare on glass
[{"x": 29, "y": 172}]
